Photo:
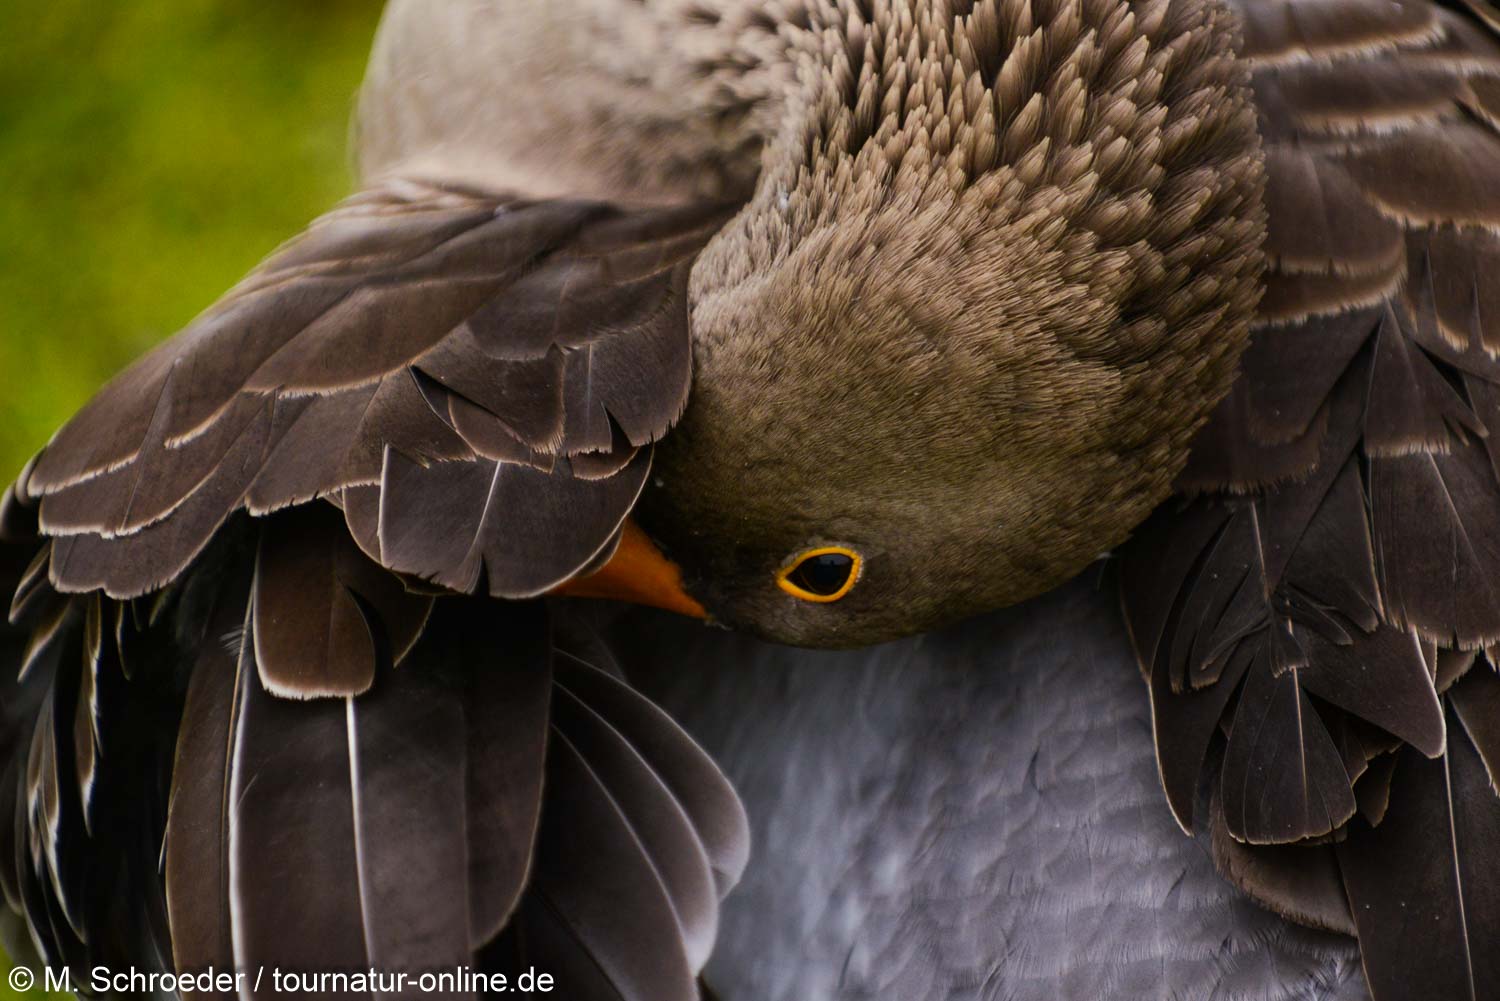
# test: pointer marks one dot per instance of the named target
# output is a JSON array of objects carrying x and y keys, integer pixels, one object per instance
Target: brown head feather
[{"x": 999, "y": 264}]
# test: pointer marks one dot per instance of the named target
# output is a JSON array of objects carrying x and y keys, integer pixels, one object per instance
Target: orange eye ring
[{"x": 794, "y": 579}]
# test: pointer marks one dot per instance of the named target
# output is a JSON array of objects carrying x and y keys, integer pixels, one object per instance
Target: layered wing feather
[
  {"x": 260, "y": 707},
  {"x": 1314, "y": 614},
  {"x": 491, "y": 801},
  {"x": 647, "y": 816},
  {"x": 81, "y": 836},
  {"x": 493, "y": 367}
]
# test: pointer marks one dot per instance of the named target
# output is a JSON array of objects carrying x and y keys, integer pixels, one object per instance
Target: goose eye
[{"x": 824, "y": 574}]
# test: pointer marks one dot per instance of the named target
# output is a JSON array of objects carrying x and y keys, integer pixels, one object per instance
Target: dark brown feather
[
  {"x": 1301, "y": 882},
  {"x": 1363, "y": 431},
  {"x": 196, "y": 858},
  {"x": 1378, "y": 677},
  {"x": 1484, "y": 99},
  {"x": 590, "y": 869},
  {"x": 1436, "y": 517},
  {"x": 33, "y": 596},
  {"x": 325, "y": 615},
  {"x": 1320, "y": 223},
  {"x": 1455, "y": 277},
  {"x": 401, "y": 417},
  {"x": 1332, "y": 563},
  {"x": 128, "y": 566},
  {"x": 408, "y": 760},
  {"x": 18, "y": 514},
  {"x": 1184, "y": 725},
  {"x": 1289, "y": 373},
  {"x": 1373, "y": 790},
  {"x": 505, "y": 697},
  {"x": 1225, "y": 450},
  {"x": 1451, "y": 666},
  {"x": 1410, "y": 407},
  {"x": 141, "y": 493},
  {"x": 428, "y": 787},
  {"x": 1295, "y": 29},
  {"x": 521, "y": 530},
  {"x": 1283, "y": 777},
  {"x": 1435, "y": 175},
  {"x": 1367, "y": 96},
  {"x": 295, "y": 900},
  {"x": 1476, "y": 702},
  {"x": 456, "y": 314},
  {"x": 1424, "y": 885},
  {"x": 310, "y": 457},
  {"x": 525, "y": 394},
  {"x": 1292, "y": 298},
  {"x": 664, "y": 829},
  {"x": 697, "y": 784}
]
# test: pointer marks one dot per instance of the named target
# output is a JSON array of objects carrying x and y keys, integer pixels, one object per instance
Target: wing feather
[
  {"x": 586, "y": 846},
  {"x": 294, "y": 900},
  {"x": 694, "y": 779},
  {"x": 1476, "y": 702},
  {"x": 424, "y": 792},
  {"x": 481, "y": 333},
  {"x": 451, "y": 523},
  {"x": 1425, "y": 924},
  {"x": 326, "y": 616},
  {"x": 425, "y": 789},
  {"x": 1313, "y": 614},
  {"x": 664, "y": 829},
  {"x": 196, "y": 860},
  {"x": 257, "y": 725}
]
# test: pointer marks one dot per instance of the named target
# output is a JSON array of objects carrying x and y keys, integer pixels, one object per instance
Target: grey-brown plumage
[
  {"x": 311, "y": 688},
  {"x": 312, "y": 580},
  {"x": 389, "y": 828},
  {"x": 445, "y": 346},
  {"x": 1313, "y": 617},
  {"x": 956, "y": 284},
  {"x": 1047, "y": 217}
]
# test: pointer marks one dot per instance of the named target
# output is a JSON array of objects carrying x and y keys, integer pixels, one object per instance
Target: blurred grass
[{"x": 150, "y": 154}]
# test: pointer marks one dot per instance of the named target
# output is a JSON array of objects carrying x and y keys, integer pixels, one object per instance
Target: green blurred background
[{"x": 151, "y": 153}]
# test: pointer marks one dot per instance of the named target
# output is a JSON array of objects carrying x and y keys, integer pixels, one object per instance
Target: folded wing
[
  {"x": 473, "y": 379},
  {"x": 261, "y": 706},
  {"x": 1316, "y": 613}
]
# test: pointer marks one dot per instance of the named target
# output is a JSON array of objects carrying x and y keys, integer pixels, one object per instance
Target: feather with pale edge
[
  {"x": 1314, "y": 614},
  {"x": 257, "y": 724},
  {"x": 468, "y": 348}
]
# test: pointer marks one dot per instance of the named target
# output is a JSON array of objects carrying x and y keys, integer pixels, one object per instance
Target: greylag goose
[{"x": 836, "y": 323}]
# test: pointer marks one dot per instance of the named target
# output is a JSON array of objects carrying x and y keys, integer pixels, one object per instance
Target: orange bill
[{"x": 637, "y": 573}]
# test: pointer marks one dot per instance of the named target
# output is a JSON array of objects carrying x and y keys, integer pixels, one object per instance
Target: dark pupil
[{"x": 823, "y": 574}]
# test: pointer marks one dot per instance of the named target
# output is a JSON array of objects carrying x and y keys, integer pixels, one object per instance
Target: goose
[{"x": 867, "y": 325}]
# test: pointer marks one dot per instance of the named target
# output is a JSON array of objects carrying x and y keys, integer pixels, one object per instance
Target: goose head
[
  {"x": 993, "y": 265},
  {"x": 997, "y": 269}
]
